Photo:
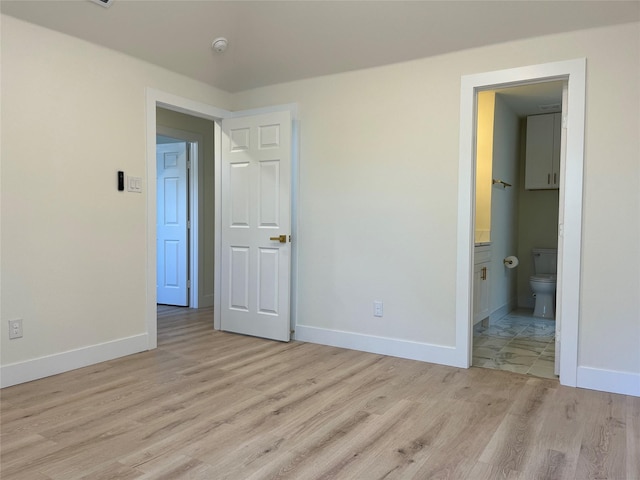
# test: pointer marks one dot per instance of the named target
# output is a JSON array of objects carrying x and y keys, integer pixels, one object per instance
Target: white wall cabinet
[
  {"x": 542, "y": 165},
  {"x": 481, "y": 272}
]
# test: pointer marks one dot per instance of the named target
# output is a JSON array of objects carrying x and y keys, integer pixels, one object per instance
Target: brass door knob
[{"x": 281, "y": 239}]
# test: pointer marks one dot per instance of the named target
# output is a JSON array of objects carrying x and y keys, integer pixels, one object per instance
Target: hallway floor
[{"x": 517, "y": 342}]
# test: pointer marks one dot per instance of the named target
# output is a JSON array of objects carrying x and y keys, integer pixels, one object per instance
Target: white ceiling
[
  {"x": 530, "y": 99},
  {"x": 278, "y": 41}
]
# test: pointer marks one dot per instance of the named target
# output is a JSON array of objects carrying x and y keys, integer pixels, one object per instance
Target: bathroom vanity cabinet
[
  {"x": 542, "y": 162},
  {"x": 481, "y": 272}
]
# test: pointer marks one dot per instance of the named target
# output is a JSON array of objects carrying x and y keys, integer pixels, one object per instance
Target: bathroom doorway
[
  {"x": 570, "y": 204},
  {"x": 512, "y": 219}
]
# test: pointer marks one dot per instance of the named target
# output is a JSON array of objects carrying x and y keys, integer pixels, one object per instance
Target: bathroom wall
[
  {"x": 484, "y": 161},
  {"x": 537, "y": 225},
  {"x": 180, "y": 121},
  {"x": 504, "y": 208}
]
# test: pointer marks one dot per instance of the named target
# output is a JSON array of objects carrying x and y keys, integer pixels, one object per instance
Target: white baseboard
[
  {"x": 612, "y": 381},
  {"x": 394, "y": 347},
  {"x": 500, "y": 312},
  {"x": 36, "y": 368}
]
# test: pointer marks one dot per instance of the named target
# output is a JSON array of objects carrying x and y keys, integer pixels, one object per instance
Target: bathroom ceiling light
[{"x": 220, "y": 44}]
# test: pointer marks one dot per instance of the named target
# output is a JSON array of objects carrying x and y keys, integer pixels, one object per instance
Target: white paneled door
[
  {"x": 256, "y": 225},
  {"x": 172, "y": 224}
]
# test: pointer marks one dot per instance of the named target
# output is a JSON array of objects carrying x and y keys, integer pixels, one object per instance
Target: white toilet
[{"x": 543, "y": 282}]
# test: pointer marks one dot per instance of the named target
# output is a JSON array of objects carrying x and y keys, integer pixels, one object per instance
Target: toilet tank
[{"x": 545, "y": 260}]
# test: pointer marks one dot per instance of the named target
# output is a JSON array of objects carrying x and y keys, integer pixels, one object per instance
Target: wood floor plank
[
  {"x": 195, "y": 442},
  {"x": 511, "y": 445},
  {"x": 213, "y": 405},
  {"x": 67, "y": 461},
  {"x": 444, "y": 465},
  {"x": 557, "y": 445},
  {"x": 19, "y": 448},
  {"x": 633, "y": 436},
  {"x": 401, "y": 451},
  {"x": 484, "y": 471},
  {"x": 110, "y": 471},
  {"x": 603, "y": 450},
  {"x": 271, "y": 456},
  {"x": 28, "y": 475},
  {"x": 177, "y": 467},
  {"x": 73, "y": 409}
]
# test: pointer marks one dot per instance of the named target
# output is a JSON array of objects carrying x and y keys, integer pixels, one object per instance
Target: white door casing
[
  {"x": 172, "y": 224},
  {"x": 561, "y": 209},
  {"x": 256, "y": 213},
  {"x": 571, "y": 186}
]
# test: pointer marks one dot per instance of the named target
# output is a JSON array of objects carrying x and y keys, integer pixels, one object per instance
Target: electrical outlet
[
  {"x": 15, "y": 329},
  {"x": 377, "y": 308}
]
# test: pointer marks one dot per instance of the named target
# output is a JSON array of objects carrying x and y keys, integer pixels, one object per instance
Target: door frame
[
  {"x": 570, "y": 208},
  {"x": 157, "y": 98},
  {"x": 194, "y": 142}
]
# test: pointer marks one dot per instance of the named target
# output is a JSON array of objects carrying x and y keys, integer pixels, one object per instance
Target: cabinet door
[
  {"x": 539, "y": 152},
  {"x": 480, "y": 292}
]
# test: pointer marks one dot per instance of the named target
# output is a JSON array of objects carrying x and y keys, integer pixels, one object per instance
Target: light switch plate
[{"x": 134, "y": 184}]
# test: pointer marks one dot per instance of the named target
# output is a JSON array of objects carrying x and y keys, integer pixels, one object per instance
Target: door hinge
[
  {"x": 188, "y": 164},
  {"x": 188, "y": 283},
  {"x": 188, "y": 224}
]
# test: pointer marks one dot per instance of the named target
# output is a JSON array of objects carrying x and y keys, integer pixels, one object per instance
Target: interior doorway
[
  {"x": 199, "y": 136},
  {"x": 514, "y": 216},
  {"x": 570, "y": 199},
  {"x": 174, "y": 222},
  {"x": 156, "y": 102}
]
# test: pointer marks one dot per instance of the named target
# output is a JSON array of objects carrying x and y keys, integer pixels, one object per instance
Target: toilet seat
[{"x": 543, "y": 278}]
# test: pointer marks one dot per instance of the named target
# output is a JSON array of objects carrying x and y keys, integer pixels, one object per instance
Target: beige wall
[
  {"x": 73, "y": 247},
  {"x": 485, "y": 116},
  {"x": 378, "y": 181},
  {"x": 203, "y": 127}
]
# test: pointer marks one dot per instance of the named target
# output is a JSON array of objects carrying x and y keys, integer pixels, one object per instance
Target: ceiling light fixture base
[
  {"x": 104, "y": 3},
  {"x": 220, "y": 44}
]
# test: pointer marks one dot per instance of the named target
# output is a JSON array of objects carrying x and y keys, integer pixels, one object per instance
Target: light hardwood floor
[{"x": 213, "y": 405}]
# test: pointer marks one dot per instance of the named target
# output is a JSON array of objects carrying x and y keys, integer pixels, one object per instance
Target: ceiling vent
[{"x": 104, "y": 3}]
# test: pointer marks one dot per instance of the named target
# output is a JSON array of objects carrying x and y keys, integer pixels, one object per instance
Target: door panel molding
[{"x": 256, "y": 211}]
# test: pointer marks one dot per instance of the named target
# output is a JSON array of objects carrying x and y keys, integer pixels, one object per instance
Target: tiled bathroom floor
[{"x": 518, "y": 342}]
